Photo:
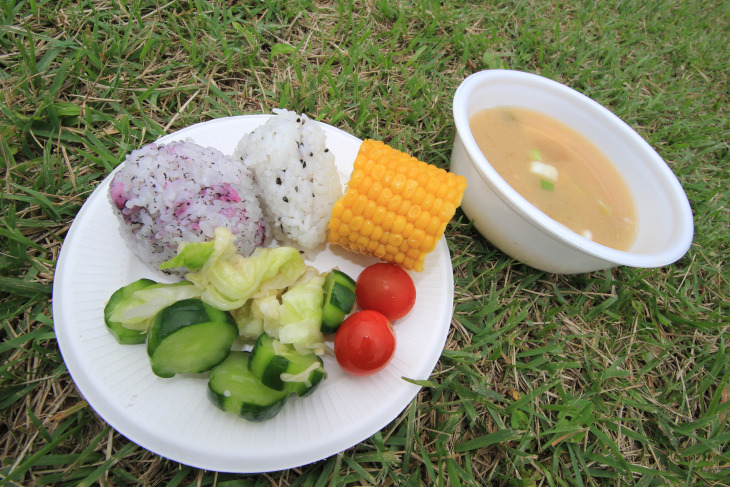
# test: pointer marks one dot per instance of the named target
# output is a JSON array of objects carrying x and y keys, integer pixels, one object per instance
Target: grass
[{"x": 617, "y": 377}]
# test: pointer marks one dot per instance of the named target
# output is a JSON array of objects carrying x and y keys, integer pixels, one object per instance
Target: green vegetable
[
  {"x": 142, "y": 305},
  {"x": 228, "y": 280},
  {"x": 127, "y": 332},
  {"x": 300, "y": 314},
  {"x": 547, "y": 185},
  {"x": 189, "y": 336},
  {"x": 192, "y": 255},
  {"x": 235, "y": 389},
  {"x": 339, "y": 298},
  {"x": 131, "y": 309},
  {"x": 282, "y": 368}
]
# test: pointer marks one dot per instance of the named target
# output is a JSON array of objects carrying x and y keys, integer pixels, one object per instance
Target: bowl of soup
[{"x": 558, "y": 182}]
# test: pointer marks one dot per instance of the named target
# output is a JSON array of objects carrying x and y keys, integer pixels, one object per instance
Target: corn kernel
[
  {"x": 408, "y": 229},
  {"x": 427, "y": 202},
  {"x": 447, "y": 211},
  {"x": 399, "y": 223},
  {"x": 410, "y": 188},
  {"x": 398, "y": 183},
  {"x": 394, "y": 203},
  {"x": 418, "y": 195},
  {"x": 378, "y": 171},
  {"x": 362, "y": 242},
  {"x": 367, "y": 228},
  {"x": 416, "y": 238},
  {"x": 422, "y": 221},
  {"x": 370, "y": 209},
  {"x": 356, "y": 223},
  {"x": 377, "y": 233},
  {"x": 429, "y": 243},
  {"x": 433, "y": 225},
  {"x": 395, "y": 240},
  {"x": 364, "y": 185},
  {"x": 388, "y": 220},
  {"x": 379, "y": 215},
  {"x": 374, "y": 190},
  {"x": 358, "y": 207},
  {"x": 384, "y": 197},
  {"x": 413, "y": 212}
]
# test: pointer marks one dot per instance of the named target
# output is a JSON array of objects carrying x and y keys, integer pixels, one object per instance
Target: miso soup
[{"x": 559, "y": 171}]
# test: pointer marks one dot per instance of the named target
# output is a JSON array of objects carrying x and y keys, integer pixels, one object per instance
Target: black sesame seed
[
  {"x": 326, "y": 150},
  {"x": 278, "y": 181},
  {"x": 311, "y": 154},
  {"x": 286, "y": 200},
  {"x": 296, "y": 189}
]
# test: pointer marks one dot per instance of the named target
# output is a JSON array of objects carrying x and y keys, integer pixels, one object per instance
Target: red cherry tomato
[
  {"x": 364, "y": 343},
  {"x": 386, "y": 288}
]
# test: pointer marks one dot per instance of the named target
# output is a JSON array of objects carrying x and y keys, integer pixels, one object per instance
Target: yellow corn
[{"x": 396, "y": 207}]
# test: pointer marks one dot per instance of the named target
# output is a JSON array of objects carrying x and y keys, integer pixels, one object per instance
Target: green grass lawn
[{"x": 617, "y": 377}]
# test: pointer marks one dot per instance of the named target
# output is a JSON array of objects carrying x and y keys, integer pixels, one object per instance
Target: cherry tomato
[
  {"x": 386, "y": 288},
  {"x": 364, "y": 343}
]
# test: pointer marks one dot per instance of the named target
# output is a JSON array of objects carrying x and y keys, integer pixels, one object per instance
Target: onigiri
[
  {"x": 296, "y": 175},
  {"x": 166, "y": 194}
]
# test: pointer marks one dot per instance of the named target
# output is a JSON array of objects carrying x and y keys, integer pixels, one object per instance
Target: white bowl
[{"x": 665, "y": 227}]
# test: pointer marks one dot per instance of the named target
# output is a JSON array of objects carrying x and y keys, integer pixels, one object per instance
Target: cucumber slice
[
  {"x": 280, "y": 367},
  {"x": 121, "y": 299},
  {"x": 235, "y": 389},
  {"x": 339, "y": 298},
  {"x": 189, "y": 336}
]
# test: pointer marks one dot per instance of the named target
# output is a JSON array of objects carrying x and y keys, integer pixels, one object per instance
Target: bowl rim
[{"x": 675, "y": 248}]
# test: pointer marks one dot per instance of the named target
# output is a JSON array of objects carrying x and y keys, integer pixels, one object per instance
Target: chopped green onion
[
  {"x": 535, "y": 155},
  {"x": 547, "y": 185}
]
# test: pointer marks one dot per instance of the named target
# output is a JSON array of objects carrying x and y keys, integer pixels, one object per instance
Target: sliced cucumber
[
  {"x": 339, "y": 298},
  {"x": 122, "y": 299},
  {"x": 189, "y": 336},
  {"x": 235, "y": 389},
  {"x": 280, "y": 367}
]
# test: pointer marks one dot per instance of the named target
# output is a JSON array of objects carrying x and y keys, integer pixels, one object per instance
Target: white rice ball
[
  {"x": 296, "y": 174},
  {"x": 166, "y": 194}
]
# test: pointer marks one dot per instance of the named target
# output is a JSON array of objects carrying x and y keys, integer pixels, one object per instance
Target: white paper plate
[{"x": 173, "y": 417}]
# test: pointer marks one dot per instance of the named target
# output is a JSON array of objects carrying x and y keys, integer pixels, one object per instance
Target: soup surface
[{"x": 559, "y": 171}]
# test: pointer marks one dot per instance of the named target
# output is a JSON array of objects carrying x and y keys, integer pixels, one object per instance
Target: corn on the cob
[{"x": 395, "y": 207}]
